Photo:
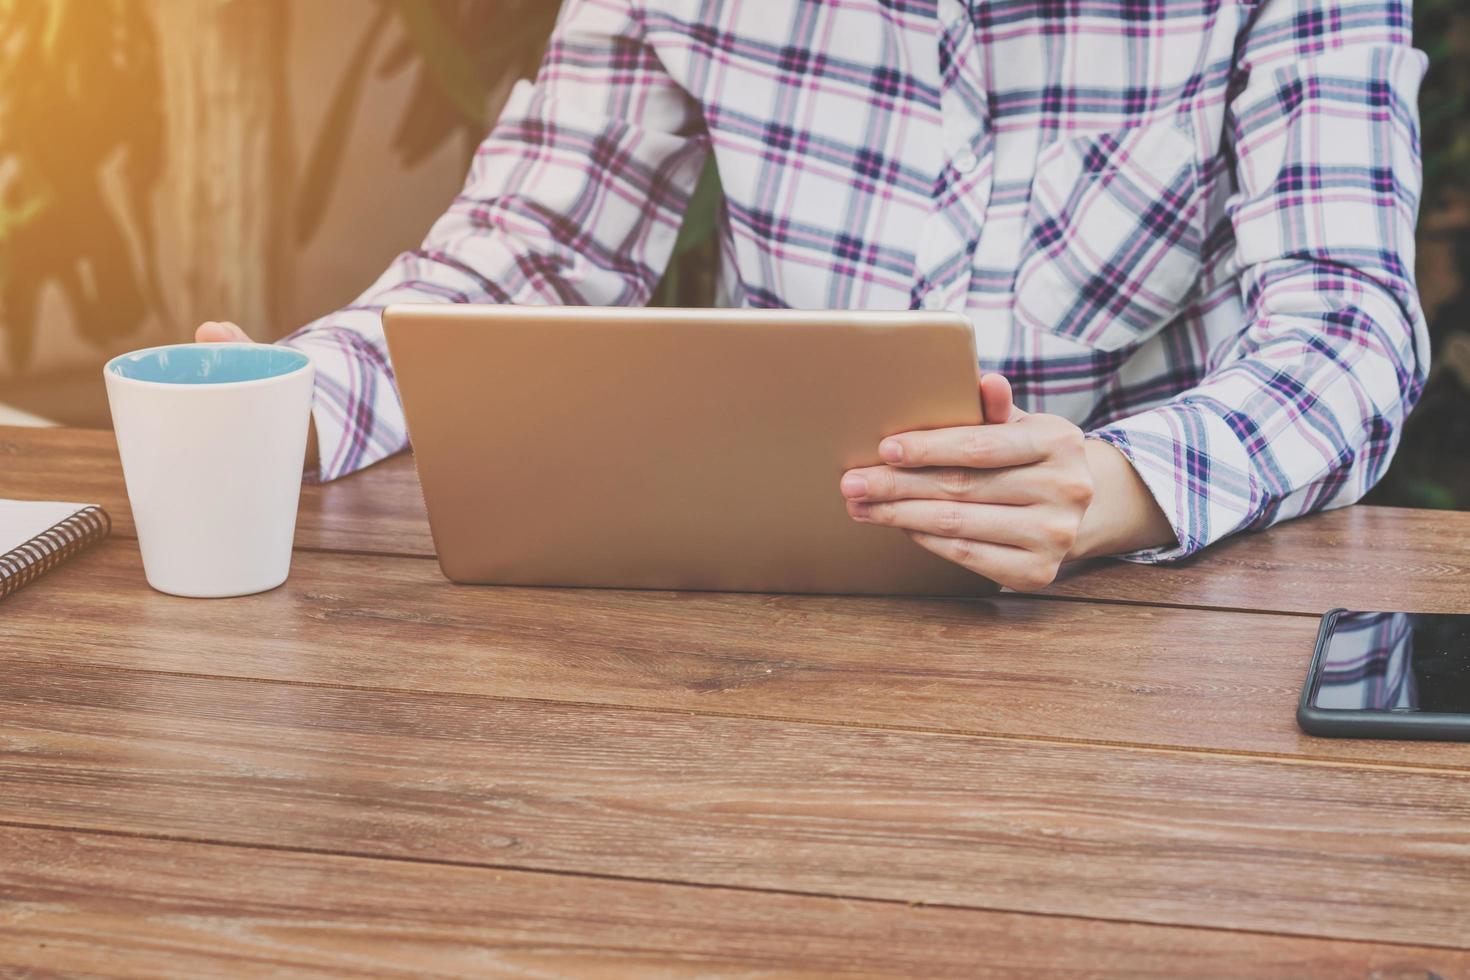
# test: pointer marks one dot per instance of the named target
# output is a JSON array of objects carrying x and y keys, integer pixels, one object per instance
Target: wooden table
[{"x": 373, "y": 770}]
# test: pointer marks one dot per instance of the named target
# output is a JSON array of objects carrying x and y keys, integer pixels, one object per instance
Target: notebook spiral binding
[{"x": 44, "y": 552}]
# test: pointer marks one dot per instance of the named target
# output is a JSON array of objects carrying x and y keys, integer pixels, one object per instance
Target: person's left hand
[{"x": 1004, "y": 499}]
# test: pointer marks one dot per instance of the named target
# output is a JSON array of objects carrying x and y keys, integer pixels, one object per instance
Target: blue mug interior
[{"x": 207, "y": 364}]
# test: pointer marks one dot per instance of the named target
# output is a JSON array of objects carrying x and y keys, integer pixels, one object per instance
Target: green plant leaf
[
  {"x": 51, "y": 35},
  {"x": 80, "y": 93},
  {"x": 503, "y": 40},
  {"x": 13, "y": 219},
  {"x": 688, "y": 279},
  {"x": 702, "y": 215},
  {"x": 1429, "y": 493},
  {"x": 445, "y": 58}
]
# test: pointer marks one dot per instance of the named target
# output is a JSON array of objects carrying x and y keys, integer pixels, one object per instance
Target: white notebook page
[{"x": 22, "y": 520}]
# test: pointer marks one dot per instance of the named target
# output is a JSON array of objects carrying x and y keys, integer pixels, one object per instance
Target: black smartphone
[{"x": 1389, "y": 675}]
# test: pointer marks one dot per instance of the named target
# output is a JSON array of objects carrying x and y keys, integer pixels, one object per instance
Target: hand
[
  {"x": 1005, "y": 499},
  {"x": 221, "y": 333}
]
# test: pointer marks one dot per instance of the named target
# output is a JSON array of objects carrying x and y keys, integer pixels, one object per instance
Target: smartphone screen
[{"x": 1415, "y": 663}]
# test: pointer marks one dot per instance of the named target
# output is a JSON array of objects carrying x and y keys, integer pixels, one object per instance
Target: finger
[
  {"x": 220, "y": 333},
  {"x": 983, "y": 446},
  {"x": 1013, "y": 568},
  {"x": 996, "y": 523},
  {"x": 1011, "y": 485},
  {"x": 215, "y": 333},
  {"x": 996, "y": 401}
]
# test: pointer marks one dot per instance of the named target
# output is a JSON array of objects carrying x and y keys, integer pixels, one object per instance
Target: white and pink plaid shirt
[{"x": 1186, "y": 225}]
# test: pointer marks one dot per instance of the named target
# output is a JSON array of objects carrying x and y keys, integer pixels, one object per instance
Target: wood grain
[
  {"x": 1061, "y": 670},
  {"x": 377, "y": 510},
  {"x": 1361, "y": 557},
  {"x": 118, "y": 906},
  {"x": 1383, "y": 558},
  {"x": 1080, "y": 760},
  {"x": 1126, "y": 835}
]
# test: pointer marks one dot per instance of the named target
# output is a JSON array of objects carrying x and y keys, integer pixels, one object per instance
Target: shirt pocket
[{"x": 1114, "y": 236}]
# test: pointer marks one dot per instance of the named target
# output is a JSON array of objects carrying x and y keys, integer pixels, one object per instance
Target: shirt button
[
  {"x": 966, "y": 161},
  {"x": 933, "y": 301}
]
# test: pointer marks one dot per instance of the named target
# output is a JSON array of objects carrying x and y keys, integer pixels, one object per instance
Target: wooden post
[{"x": 229, "y": 160}]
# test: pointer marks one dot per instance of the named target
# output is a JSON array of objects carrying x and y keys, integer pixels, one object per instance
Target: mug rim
[{"x": 110, "y": 373}]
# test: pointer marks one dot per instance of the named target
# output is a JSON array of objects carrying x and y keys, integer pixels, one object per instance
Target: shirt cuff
[
  {"x": 1197, "y": 470},
  {"x": 358, "y": 417}
]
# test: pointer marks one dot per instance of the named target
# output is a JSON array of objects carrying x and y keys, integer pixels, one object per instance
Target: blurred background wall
[{"x": 165, "y": 162}]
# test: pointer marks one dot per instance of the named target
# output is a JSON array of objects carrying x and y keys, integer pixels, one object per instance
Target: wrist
[{"x": 1123, "y": 515}]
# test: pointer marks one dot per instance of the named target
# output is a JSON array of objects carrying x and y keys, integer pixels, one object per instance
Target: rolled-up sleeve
[
  {"x": 1303, "y": 409},
  {"x": 574, "y": 198}
]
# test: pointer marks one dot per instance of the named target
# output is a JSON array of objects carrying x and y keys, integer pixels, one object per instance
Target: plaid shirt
[{"x": 1187, "y": 225}]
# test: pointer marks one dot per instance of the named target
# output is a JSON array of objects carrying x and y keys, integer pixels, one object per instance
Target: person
[{"x": 1183, "y": 232}]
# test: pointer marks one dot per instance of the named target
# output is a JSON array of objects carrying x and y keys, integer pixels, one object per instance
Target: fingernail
[
  {"x": 854, "y": 485},
  {"x": 891, "y": 450},
  {"x": 858, "y": 512}
]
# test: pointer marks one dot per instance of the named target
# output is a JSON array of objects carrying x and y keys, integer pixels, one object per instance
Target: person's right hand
[{"x": 220, "y": 333}]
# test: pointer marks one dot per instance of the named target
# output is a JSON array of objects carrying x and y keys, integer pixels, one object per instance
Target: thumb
[
  {"x": 996, "y": 403},
  {"x": 220, "y": 333}
]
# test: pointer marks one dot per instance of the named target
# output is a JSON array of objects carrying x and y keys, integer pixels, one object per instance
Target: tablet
[{"x": 673, "y": 449}]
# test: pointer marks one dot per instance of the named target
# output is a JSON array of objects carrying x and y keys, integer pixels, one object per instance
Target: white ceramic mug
[{"x": 212, "y": 439}]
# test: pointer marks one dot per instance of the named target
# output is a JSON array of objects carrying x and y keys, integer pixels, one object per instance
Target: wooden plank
[
  {"x": 380, "y": 509},
  {"x": 1382, "y": 558},
  {"x": 1060, "y": 670},
  {"x": 1004, "y": 824},
  {"x": 86, "y": 903},
  {"x": 1361, "y": 557}
]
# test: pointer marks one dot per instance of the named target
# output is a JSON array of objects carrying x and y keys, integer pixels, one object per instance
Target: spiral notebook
[{"x": 36, "y": 536}]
